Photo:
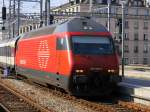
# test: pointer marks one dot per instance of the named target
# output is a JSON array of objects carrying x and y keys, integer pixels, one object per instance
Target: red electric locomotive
[{"x": 77, "y": 55}]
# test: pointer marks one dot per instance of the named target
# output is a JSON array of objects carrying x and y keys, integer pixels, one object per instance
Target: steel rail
[
  {"x": 42, "y": 109},
  {"x": 135, "y": 96},
  {"x": 139, "y": 97},
  {"x": 4, "y": 107},
  {"x": 94, "y": 106}
]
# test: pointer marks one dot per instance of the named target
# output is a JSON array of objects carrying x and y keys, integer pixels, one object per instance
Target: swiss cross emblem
[{"x": 43, "y": 54}]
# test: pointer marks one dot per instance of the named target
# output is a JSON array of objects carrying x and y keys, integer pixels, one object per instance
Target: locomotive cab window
[
  {"x": 62, "y": 44},
  {"x": 92, "y": 45}
]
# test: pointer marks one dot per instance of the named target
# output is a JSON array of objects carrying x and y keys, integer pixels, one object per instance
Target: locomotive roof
[{"x": 80, "y": 24}]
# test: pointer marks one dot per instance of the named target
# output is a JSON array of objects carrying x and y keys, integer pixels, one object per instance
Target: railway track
[
  {"x": 94, "y": 105},
  {"x": 113, "y": 104},
  {"x": 126, "y": 102},
  {"x": 12, "y": 101}
]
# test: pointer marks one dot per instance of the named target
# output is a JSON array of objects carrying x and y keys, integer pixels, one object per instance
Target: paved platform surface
[
  {"x": 137, "y": 83},
  {"x": 136, "y": 87}
]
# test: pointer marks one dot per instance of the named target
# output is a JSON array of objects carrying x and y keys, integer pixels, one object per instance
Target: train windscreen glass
[{"x": 92, "y": 45}]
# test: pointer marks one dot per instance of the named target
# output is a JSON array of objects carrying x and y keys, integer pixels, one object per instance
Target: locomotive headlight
[
  {"x": 79, "y": 71},
  {"x": 111, "y": 71}
]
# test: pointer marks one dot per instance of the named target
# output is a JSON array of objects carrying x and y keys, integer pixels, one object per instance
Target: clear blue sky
[{"x": 33, "y": 7}]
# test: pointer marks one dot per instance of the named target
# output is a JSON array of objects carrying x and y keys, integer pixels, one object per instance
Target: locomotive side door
[
  {"x": 63, "y": 67},
  {"x": 61, "y": 55},
  {"x": 58, "y": 60}
]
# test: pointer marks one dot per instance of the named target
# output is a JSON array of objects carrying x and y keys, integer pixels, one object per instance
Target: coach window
[
  {"x": 61, "y": 44},
  {"x": 8, "y": 51}
]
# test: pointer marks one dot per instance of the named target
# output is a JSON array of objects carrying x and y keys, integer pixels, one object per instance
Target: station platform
[
  {"x": 139, "y": 90},
  {"x": 137, "y": 85},
  {"x": 139, "y": 72}
]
